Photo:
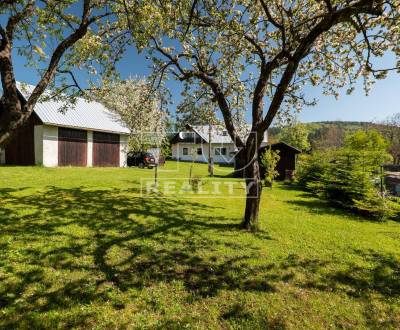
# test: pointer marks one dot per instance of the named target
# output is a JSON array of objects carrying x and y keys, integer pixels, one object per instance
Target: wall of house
[
  {"x": 89, "y": 148},
  {"x": 50, "y": 146},
  {"x": 177, "y": 152},
  {"x": 38, "y": 144},
  {"x": 123, "y": 150}
]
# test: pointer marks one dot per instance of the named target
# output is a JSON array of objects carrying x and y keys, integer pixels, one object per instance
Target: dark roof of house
[{"x": 280, "y": 145}]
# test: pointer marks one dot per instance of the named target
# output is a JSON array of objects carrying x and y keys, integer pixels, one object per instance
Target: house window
[
  {"x": 199, "y": 151},
  {"x": 224, "y": 133},
  {"x": 187, "y": 135},
  {"x": 185, "y": 151},
  {"x": 220, "y": 151}
]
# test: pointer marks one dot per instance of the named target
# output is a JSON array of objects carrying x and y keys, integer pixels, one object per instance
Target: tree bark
[{"x": 253, "y": 196}]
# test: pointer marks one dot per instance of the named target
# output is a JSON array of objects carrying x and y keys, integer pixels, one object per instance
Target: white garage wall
[
  {"x": 123, "y": 150},
  {"x": 38, "y": 143},
  {"x": 89, "y": 148},
  {"x": 50, "y": 146}
]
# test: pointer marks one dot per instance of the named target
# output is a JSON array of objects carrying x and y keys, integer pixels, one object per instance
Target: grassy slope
[{"x": 81, "y": 248}]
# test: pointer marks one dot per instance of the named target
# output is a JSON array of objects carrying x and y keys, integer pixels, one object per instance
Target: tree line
[{"x": 318, "y": 136}]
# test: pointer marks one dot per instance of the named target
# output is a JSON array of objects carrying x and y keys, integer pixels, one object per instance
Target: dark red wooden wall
[
  {"x": 72, "y": 147},
  {"x": 105, "y": 149},
  {"x": 21, "y": 149}
]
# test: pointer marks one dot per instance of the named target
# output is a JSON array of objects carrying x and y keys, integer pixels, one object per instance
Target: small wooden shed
[{"x": 287, "y": 162}]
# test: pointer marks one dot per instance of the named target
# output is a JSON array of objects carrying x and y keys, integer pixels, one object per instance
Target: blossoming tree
[
  {"x": 259, "y": 54},
  {"x": 139, "y": 107}
]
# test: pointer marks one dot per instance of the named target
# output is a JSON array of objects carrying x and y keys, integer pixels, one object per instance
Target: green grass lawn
[{"x": 83, "y": 248}]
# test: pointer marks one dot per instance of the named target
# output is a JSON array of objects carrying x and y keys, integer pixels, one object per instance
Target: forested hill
[
  {"x": 327, "y": 134},
  {"x": 323, "y": 125}
]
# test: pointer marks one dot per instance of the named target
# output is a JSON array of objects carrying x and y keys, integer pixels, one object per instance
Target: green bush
[
  {"x": 350, "y": 179},
  {"x": 311, "y": 169},
  {"x": 269, "y": 161}
]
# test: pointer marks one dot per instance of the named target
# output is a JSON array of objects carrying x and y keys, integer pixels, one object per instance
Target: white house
[
  {"x": 193, "y": 144},
  {"x": 85, "y": 135}
]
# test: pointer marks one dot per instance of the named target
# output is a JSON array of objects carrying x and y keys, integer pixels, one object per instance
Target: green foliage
[
  {"x": 370, "y": 140},
  {"x": 331, "y": 135},
  {"x": 311, "y": 168},
  {"x": 295, "y": 135},
  {"x": 350, "y": 176},
  {"x": 269, "y": 160}
]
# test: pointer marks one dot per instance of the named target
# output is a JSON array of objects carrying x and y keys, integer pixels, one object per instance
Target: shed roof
[
  {"x": 84, "y": 114},
  {"x": 282, "y": 144}
]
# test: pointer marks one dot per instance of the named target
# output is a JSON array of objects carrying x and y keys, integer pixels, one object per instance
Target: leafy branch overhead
[
  {"x": 56, "y": 38},
  {"x": 244, "y": 51}
]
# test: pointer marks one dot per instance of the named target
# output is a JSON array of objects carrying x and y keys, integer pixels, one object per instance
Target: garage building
[{"x": 86, "y": 134}]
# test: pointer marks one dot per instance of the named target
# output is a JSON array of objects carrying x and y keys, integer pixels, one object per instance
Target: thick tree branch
[
  {"x": 331, "y": 19},
  {"x": 59, "y": 52}
]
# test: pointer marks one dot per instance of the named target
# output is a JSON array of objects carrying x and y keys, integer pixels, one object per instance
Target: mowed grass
[{"x": 83, "y": 248}]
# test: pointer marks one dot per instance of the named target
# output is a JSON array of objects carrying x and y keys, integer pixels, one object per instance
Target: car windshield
[{"x": 148, "y": 154}]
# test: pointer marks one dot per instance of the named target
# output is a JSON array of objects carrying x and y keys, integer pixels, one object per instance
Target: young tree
[
  {"x": 269, "y": 161},
  {"x": 247, "y": 52},
  {"x": 370, "y": 140},
  {"x": 295, "y": 135},
  {"x": 54, "y": 36},
  {"x": 139, "y": 107},
  {"x": 391, "y": 130}
]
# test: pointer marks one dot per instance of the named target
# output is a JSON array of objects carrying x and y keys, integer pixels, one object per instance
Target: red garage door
[
  {"x": 72, "y": 147},
  {"x": 105, "y": 149}
]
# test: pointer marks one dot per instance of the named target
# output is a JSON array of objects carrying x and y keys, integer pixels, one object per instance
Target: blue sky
[{"x": 383, "y": 101}]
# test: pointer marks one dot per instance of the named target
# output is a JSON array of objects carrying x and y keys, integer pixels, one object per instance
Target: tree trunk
[
  {"x": 253, "y": 196},
  {"x": 240, "y": 163}
]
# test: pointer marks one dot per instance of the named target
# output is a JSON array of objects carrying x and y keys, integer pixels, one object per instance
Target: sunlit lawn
[{"x": 83, "y": 248}]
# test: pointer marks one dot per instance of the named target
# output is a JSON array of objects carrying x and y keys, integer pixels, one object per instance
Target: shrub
[
  {"x": 269, "y": 160},
  {"x": 350, "y": 179},
  {"x": 311, "y": 169},
  {"x": 195, "y": 183}
]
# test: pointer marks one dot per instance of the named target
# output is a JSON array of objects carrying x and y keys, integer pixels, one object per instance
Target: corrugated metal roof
[
  {"x": 218, "y": 134},
  {"x": 84, "y": 114}
]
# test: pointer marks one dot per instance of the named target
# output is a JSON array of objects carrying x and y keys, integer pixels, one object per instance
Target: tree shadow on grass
[
  {"x": 321, "y": 207},
  {"x": 102, "y": 240},
  {"x": 74, "y": 247},
  {"x": 314, "y": 205}
]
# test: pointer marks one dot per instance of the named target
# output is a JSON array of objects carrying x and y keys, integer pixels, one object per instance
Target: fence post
[{"x": 156, "y": 176}]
